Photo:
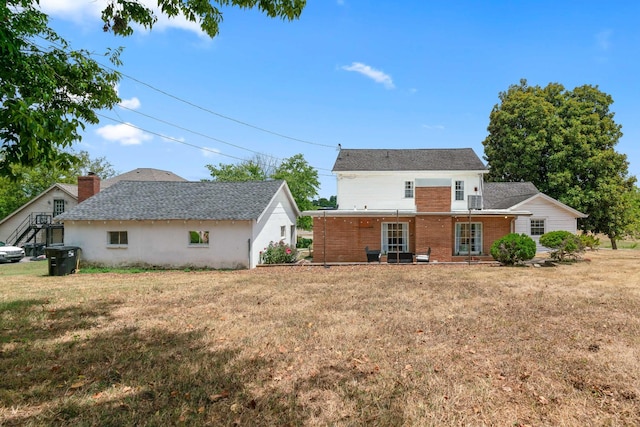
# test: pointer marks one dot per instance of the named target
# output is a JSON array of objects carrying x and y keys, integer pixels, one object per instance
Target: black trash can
[{"x": 63, "y": 260}]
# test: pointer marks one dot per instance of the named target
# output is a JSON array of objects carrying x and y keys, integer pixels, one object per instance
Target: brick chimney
[{"x": 88, "y": 186}]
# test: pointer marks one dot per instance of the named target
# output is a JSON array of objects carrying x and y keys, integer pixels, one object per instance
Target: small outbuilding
[{"x": 223, "y": 225}]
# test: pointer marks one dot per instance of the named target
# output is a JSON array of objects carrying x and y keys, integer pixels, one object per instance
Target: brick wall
[
  {"x": 433, "y": 199},
  {"x": 492, "y": 229},
  {"x": 346, "y": 237},
  {"x": 435, "y": 232},
  {"x": 88, "y": 186}
]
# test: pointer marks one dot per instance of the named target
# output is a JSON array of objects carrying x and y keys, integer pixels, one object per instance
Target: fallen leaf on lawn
[
  {"x": 542, "y": 400},
  {"x": 282, "y": 349},
  {"x": 77, "y": 384},
  {"x": 235, "y": 407},
  {"x": 222, "y": 395},
  {"x": 201, "y": 409}
]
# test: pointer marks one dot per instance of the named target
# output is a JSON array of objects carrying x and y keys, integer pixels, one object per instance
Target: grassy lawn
[{"x": 424, "y": 345}]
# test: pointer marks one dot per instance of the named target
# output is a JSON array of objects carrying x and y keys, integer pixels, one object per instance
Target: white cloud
[
  {"x": 131, "y": 104},
  {"x": 123, "y": 133},
  {"x": 433, "y": 127},
  {"x": 603, "y": 39},
  {"x": 87, "y": 13},
  {"x": 376, "y": 75}
]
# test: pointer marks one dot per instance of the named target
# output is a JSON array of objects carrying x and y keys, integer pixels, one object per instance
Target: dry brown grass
[{"x": 355, "y": 345}]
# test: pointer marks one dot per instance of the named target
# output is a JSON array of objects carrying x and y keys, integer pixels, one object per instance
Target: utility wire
[
  {"x": 178, "y": 126},
  {"x": 179, "y": 141},
  {"x": 207, "y": 110}
]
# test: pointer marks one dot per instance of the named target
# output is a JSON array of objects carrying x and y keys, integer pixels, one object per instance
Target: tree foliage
[
  {"x": 120, "y": 14},
  {"x": 48, "y": 91},
  {"x": 301, "y": 178},
  {"x": 323, "y": 202},
  {"x": 564, "y": 142}
]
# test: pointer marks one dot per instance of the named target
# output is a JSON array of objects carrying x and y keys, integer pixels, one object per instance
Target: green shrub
[
  {"x": 590, "y": 241},
  {"x": 279, "y": 253},
  {"x": 513, "y": 249},
  {"x": 303, "y": 242},
  {"x": 563, "y": 244}
]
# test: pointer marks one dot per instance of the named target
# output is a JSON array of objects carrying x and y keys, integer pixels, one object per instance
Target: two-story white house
[{"x": 419, "y": 200}]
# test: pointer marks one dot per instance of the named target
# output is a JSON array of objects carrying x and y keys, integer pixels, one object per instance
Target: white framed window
[
  {"x": 395, "y": 237},
  {"x": 283, "y": 231},
  {"x": 459, "y": 190},
  {"x": 58, "y": 206},
  {"x": 198, "y": 238},
  {"x": 408, "y": 189},
  {"x": 117, "y": 238},
  {"x": 468, "y": 236},
  {"x": 537, "y": 227}
]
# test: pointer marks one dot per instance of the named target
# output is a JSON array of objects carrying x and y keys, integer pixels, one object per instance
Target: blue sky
[{"x": 363, "y": 74}]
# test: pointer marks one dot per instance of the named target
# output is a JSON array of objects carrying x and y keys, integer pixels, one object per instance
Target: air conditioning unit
[{"x": 474, "y": 202}]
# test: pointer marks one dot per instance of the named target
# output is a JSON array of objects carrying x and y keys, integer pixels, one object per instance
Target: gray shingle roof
[
  {"x": 157, "y": 200},
  {"x": 408, "y": 160},
  {"x": 142, "y": 174},
  {"x": 503, "y": 195}
]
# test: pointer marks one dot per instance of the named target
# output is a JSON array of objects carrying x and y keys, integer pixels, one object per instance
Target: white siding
[
  {"x": 163, "y": 243},
  {"x": 385, "y": 190},
  {"x": 232, "y": 244},
  {"x": 279, "y": 213},
  {"x": 41, "y": 204},
  {"x": 556, "y": 218}
]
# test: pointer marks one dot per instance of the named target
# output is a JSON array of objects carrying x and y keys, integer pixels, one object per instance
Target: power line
[
  {"x": 204, "y": 135},
  {"x": 207, "y": 110},
  {"x": 182, "y": 142},
  {"x": 119, "y": 120}
]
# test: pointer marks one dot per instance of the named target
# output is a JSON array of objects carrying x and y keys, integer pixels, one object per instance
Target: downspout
[
  {"x": 249, "y": 251},
  {"x": 324, "y": 241}
]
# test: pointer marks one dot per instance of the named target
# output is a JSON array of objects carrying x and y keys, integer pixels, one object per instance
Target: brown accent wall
[
  {"x": 433, "y": 199},
  {"x": 88, "y": 186},
  {"x": 346, "y": 237},
  {"x": 435, "y": 232}
]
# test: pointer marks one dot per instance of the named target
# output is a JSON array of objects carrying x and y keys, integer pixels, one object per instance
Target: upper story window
[
  {"x": 408, "y": 189},
  {"x": 459, "y": 190},
  {"x": 58, "y": 206},
  {"x": 537, "y": 227}
]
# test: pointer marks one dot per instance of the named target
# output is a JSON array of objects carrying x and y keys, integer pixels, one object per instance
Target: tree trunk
[{"x": 614, "y": 245}]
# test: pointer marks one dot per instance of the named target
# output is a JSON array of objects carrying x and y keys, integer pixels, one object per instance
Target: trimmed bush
[
  {"x": 279, "y": 253},
  {"x": 513, "y": 249},
  {"x": 564, "y": 245},
  {"x": 590, "y": 241},
  {"x": 303, "y": 242}
]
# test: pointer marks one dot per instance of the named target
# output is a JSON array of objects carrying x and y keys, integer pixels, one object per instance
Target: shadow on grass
[{"x": 67, "y": 367}]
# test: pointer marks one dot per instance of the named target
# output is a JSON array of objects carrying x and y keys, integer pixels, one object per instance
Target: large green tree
[
  {"x": 49, "y": 91},
  {"x": 564, "y": 142},
  {"x": 301, "y": 178},
  {"x": 32, "y": 181}
]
